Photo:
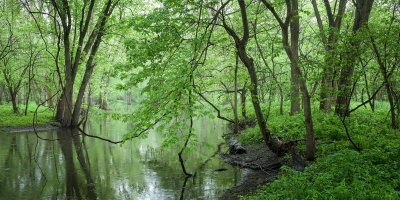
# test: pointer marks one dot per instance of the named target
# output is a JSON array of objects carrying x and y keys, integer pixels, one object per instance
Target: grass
[
  {"x": 339, "y": 171},
  {"x": 8, "y": 119}
]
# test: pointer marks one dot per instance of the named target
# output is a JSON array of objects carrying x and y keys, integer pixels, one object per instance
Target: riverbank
[
  {"x": 339, "y": 171},
  {"x": 14, "y": 123},
  {"x": 260, "y": 166}
]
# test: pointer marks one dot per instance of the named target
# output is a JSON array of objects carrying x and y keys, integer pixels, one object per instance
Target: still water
[{"x": 71, "y": 166}]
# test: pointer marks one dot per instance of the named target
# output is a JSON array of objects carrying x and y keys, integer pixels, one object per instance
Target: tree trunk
[
  {"x": 328, "y": 80},
  {"x": 241, "y": 44},
  {"x": 243, "y": 101},
  {"x": 13, "y": 96},
  {"x": 49, "y": 96},
  {"x": 129, "y": 98},
  {"x": 85, "y": 81},
  {"x": 236, "y": 131},
  {"x": 19, "y": 98},
  {"x": 271, "y": 143},
  {"x": 294, "y": 34},
  {"x": 292, "y": 53},
  {"x": 103, "y": 97},
  {"x": 28, "y": 93},
  {"x": 43, "y": 94},
  {"x": 389, "y": 90},
  {"x": 79, "y": 99},
  {"x": 294, "y": 92},
  {"x": 363, "y": 9},
  {"x": 294, "y": 77},
  {"x": 60, "y": 108},
  {"x": 35, "y": 96}
]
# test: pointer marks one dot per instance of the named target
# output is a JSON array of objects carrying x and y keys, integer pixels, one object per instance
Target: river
[{"x": 67, "y": 165}]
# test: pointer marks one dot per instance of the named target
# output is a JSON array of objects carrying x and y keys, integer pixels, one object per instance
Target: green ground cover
[
  {"x": 8, "y": 119},
  {"x": 339, "y": 172}
]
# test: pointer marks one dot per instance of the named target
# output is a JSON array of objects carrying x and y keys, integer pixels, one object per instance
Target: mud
[{"x": 260, "y": 166}]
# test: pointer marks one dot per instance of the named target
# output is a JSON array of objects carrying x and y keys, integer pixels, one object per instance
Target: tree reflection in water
[
  {"x": 67, "y": 137},
  {"x": 64, "y": 164}
]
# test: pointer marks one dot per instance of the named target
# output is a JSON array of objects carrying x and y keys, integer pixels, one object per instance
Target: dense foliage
[{"x": 323, "y": 73}]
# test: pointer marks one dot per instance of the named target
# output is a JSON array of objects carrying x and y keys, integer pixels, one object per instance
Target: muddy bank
[
  {"x": 250, "y": 182},
  {"x": 260, "y": 166}
]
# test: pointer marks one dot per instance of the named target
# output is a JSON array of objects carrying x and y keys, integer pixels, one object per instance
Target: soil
[{"x": 260, "y": 166}]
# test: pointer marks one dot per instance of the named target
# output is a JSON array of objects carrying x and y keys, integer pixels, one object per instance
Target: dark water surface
[{"x": 75, "y": 167}]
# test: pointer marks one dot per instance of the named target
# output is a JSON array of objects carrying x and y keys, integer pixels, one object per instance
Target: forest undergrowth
[
  {"x": 340, "y": 171},
  {"x": 8, "y": 119}
]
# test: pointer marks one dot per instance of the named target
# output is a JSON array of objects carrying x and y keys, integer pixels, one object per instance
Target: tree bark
[
  {"x": 236, "y": 131},
  {"x": 13, "y": 96},
  {"x": 363, "y": 10},
  {"x": 60, "y": 108},
  {"x": 243, "y": 101}
]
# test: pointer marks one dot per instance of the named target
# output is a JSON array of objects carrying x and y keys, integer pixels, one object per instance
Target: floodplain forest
[{"x": 121, "y": 99}]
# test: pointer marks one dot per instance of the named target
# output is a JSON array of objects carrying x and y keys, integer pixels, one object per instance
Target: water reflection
[
  {"x": 71, "y": 166},
  {"x": 67, "y": 138}
]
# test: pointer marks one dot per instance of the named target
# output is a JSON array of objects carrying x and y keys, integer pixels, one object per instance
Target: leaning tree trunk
[
  {"x": 271, "y": 143},
  {"x": 240, "y": 45},
  {"x": 85, "y": 81}
]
